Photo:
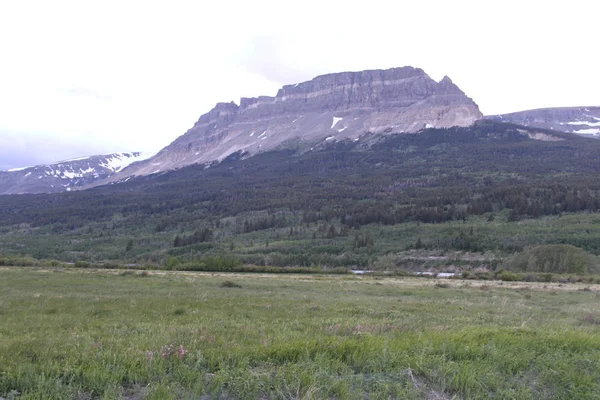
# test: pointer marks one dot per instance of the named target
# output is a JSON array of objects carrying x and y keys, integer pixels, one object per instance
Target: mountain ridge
[
  {"x": 578, "y": 120},
  {"x": 66, "y": 175},
  {"x": 303, "y": 116}
]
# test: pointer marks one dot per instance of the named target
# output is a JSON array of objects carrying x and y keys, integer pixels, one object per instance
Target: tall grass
[{"x": 182, "y": 335}]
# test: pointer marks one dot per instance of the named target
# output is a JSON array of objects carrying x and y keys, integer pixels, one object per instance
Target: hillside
[{"x": 347, "y": 203}]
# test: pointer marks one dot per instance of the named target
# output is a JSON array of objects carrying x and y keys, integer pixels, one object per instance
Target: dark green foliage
[
  {"x": 363, "y": 240},
  {"x": 200, "y": 236}
]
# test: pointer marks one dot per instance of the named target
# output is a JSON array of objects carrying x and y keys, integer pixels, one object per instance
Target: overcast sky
[{"x": 90, "y": 77}]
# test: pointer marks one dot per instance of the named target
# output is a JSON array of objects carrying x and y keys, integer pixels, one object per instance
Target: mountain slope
[
  {"x": 328, "y": 108},
  {"x": 579, "y": 120},
  {"x": 66, "y": 175},
  {"x": 290, "y": 199}
]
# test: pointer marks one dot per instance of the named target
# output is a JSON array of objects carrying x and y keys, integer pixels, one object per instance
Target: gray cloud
[
  {"x": 80, "y": 91},
  {"x": 28, "y": 149},
  {"x": 268, "y": 57}
]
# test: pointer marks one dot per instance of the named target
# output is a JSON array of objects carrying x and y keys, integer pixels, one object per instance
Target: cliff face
[
  {"x": 331, "y": 107},
  {"x": 579, "y": 120}
]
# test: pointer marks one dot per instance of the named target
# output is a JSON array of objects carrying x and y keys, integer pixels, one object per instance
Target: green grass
[{"x": 89, "y": 334}]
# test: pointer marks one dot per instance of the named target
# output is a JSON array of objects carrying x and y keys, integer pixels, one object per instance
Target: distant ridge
[
  {"x": 66, "y": 175},
  {"x": 579, "y": 120}
]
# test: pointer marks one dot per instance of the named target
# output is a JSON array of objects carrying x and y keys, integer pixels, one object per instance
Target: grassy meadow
[{"x": 86, "y": 334}]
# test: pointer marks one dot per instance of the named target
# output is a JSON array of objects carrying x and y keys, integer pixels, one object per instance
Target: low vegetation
[
  {"x": 558, "y": 258},
  {"x": 83, "y": 334}
]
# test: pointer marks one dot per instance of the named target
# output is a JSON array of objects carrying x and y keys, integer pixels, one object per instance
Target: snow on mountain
[
  {"x": 579, "y": 120},
  {"x": 66, "y": 175}
]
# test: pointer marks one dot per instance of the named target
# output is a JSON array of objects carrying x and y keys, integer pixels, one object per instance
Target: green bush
[
  {"x": 19, "y": 262},
  {"x": 507, "y": 276},
  {"x": 554, "y": 258}
]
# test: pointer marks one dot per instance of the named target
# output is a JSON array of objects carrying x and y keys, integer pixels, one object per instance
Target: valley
[{"x": 361, "y": 235}]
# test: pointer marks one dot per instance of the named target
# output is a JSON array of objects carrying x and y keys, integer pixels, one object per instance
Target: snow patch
[
  {"x": 543, "y": 137},
  {"x": 70, "y": 175},
  {"x": 252, "y": 134},
  {"x": 71, "y": 159},
  {"x": 427, "y": 126},
  {"x": 585, "y": 123},
  {"x": 262, "y": 134},
  {"x": 330, "y": 138},
  {"x": 342, "y": 129},
  {"x": 16, "y": 169},
  {"x": 27, "y": 174},
  {"x": 335, "y": 121},
  {"x": 591, "y": 131},
  {"x": 117, "y": 162}
]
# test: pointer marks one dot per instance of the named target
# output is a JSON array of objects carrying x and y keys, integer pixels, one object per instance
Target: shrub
[
  {"x": 230, "y": 284},
  {"x": 507, "y": 276},
  {"x": 554, "y": 258},
  {"x": 83, "y": 264}
]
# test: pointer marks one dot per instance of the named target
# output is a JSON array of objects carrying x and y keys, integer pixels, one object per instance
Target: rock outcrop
[
  {"x": 331, "y": 107},
  {"x": 579, "y": 120}
]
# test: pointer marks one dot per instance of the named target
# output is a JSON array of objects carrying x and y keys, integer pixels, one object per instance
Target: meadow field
[{"x": 103, "y": 334}]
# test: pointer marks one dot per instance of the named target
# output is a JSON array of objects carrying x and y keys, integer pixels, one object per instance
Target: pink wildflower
[{"x": 182, "y": 352}]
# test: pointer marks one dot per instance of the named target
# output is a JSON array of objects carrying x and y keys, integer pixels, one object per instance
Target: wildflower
[
  {"x": 181, "y": 352},
  {"x": 166, "y": 351}
]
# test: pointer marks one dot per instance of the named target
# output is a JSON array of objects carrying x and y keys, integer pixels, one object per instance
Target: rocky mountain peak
[
  {"x": 222, "y": 112},
  {"x": 331, "y": 107}
]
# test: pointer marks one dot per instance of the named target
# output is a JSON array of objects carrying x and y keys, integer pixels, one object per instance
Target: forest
[{"x": 484, "y": 188}]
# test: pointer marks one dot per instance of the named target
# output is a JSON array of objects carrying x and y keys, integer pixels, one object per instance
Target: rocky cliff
[
  {"x": 579, "y": 120},
  {"x": 341, "y": 106}
]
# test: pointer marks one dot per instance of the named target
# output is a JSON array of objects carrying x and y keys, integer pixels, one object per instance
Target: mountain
[
  {"x": 66, "y": 175},
  {"x": 287, "y": 207},
  {"x": 328, "y": 108},
  {"x": 580, "y": 120}
]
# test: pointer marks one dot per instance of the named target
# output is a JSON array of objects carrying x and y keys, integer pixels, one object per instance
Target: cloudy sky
[{"x": 90, "y": 77}]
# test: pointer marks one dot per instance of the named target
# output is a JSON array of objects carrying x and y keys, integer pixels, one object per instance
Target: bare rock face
[
  {"x": 331, "y": 107},
  {"x": 67, "y": 175},
  {"x": 579, "y": 120}
]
